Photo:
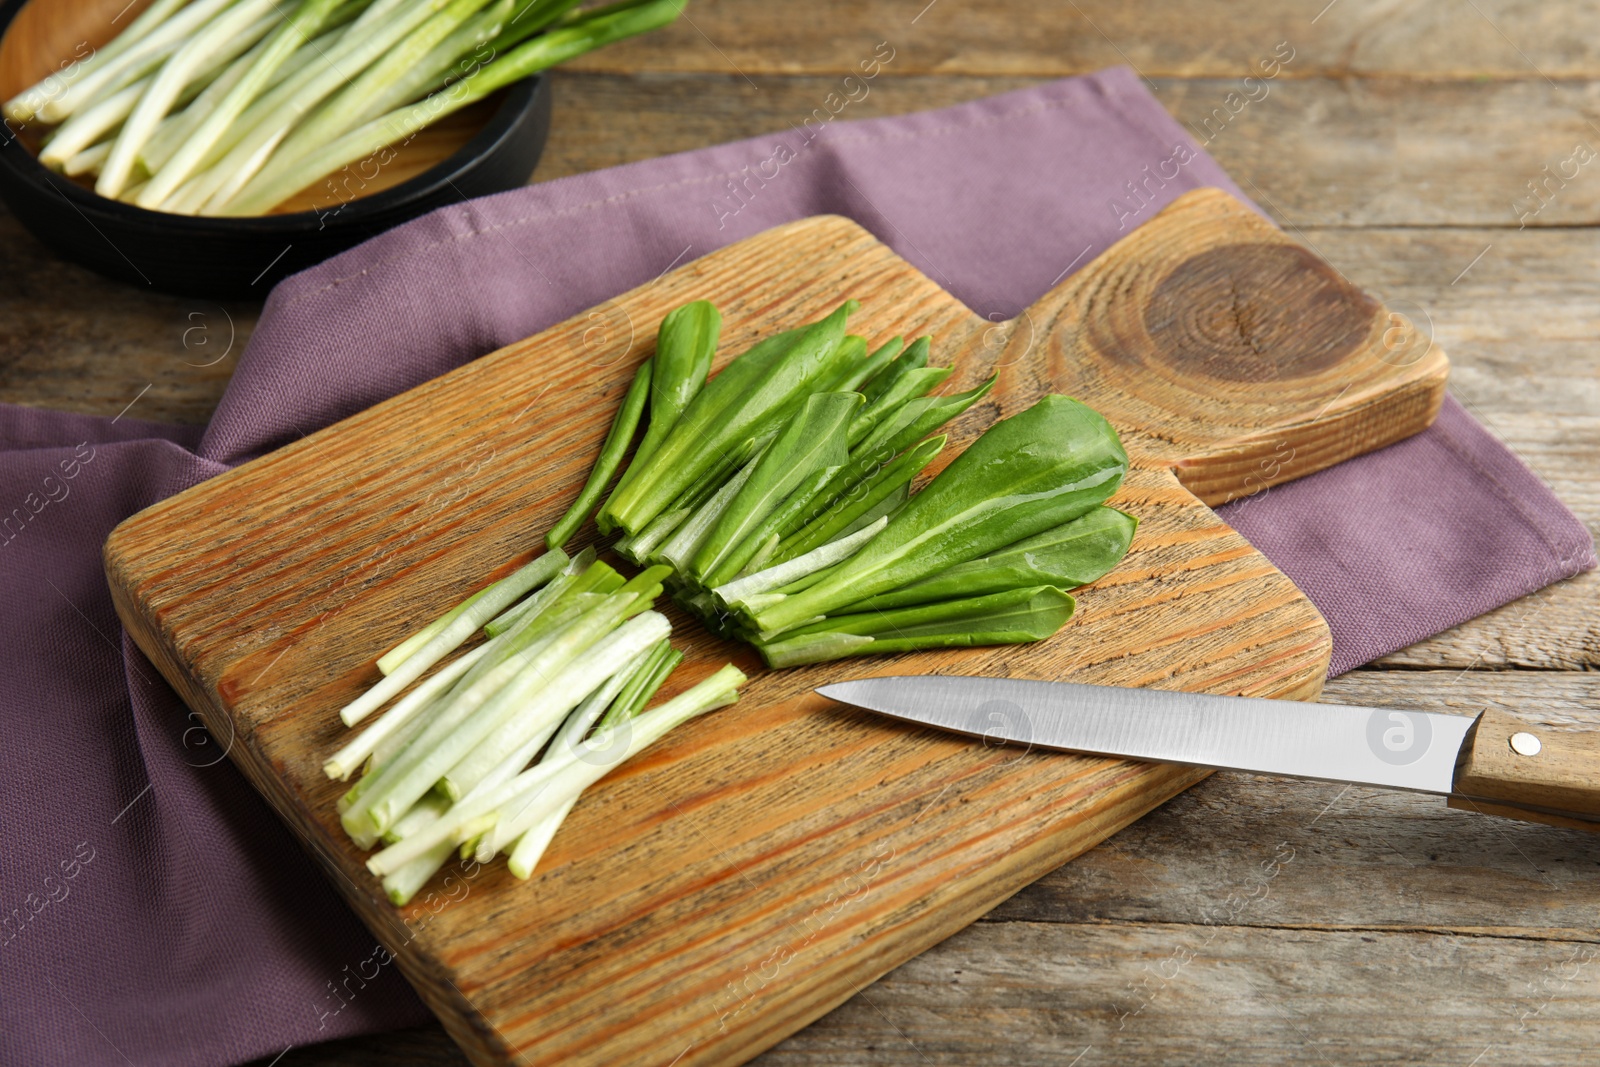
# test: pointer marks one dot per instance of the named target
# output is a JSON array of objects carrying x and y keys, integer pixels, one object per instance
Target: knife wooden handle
[{"x": 1508, "y": 759}]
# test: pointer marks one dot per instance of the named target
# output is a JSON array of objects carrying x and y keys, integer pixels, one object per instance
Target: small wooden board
[{"x": 764, "y": 863}]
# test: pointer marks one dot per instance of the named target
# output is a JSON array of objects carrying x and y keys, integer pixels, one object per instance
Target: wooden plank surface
[
  {"x": 1522, "y": 345},
  {"x": 680, "y": 866},
  {"x": 1185, "y": 38},
  {"x": 1326, "y": 898}
]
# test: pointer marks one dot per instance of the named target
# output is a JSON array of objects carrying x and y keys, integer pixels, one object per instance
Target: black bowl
[{"x": 234, "y": 258}]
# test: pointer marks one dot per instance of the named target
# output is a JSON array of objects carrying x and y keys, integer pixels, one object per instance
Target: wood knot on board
[{"x": 1256, "y": 313}]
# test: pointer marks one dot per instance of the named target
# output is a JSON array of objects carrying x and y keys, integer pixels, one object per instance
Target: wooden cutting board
[{"x": 764, "y": 863}]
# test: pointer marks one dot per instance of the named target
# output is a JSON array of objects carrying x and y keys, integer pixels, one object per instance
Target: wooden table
[{"x": 1252, "y": 920}]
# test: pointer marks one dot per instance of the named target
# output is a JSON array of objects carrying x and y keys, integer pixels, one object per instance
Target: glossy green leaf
[
  {"x": 685, "y": 345},
  {"x": 1016, "y": 616},
  {"x": 813, "y": 441},
  {"x": 729, "y": 410},
  {"x": 1070, "y": 555},
  {"x": 913, "y": 358},
  {"x": 1026, "y": 474},
  {"x": 861, "y": 499},
  {"x": 611, "y": 453}
]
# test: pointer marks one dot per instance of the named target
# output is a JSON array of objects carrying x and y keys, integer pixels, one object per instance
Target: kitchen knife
[{"x": 1495, "y": 762}]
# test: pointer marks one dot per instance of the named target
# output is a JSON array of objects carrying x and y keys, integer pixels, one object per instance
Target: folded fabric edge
[{"x": 23, "y": 427}]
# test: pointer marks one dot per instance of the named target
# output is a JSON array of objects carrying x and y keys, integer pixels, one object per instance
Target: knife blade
[{"x": 1492, "y": 758}]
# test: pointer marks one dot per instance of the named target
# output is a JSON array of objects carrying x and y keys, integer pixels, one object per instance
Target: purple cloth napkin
[{"x": 157, "y": 913}]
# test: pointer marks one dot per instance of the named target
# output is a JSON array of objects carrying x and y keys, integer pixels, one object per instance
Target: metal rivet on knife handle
[{"x": 1494, "y": 765}]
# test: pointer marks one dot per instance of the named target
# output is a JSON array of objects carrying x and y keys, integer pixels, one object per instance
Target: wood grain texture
[
  {"x": 1563, "y": 772},
  {"x": 1447, "y": 906},
  {"x": 745, "y": 841},
  {"x": 1316, "y": 151},
  {"x": 1350, "y": 39},
  {"x": 1365, "y": 858}
]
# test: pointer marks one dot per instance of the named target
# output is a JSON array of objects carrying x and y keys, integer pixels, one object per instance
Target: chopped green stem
[
  {"x": 611, "y": 453},
  {"x": 641, "y": 688},
  {"x": 1073, "y": 554},
  {"x": 300, "y": 27},
  {"x": 424, "y": 813},
  {"x": 452, "y": 636},
  {"x": 564, "y": 776},
  {"x": 343, "y": 764},
  {"x": 1016, "y": 616},
  {"x": 470, "y": 717},
  {"x": 738, "y": 592},
  {"x": 539, "y": 601},
  {"x": 397, "y": 655},
  {"x": 404, "y": 882},
  {"x": 862, "y": 498},
  {"x": 540, "y": 707},
  {"x": 164, "y": 90},
  {"x": 542, "y": 52},
  {"x": 566, "y": 741}
]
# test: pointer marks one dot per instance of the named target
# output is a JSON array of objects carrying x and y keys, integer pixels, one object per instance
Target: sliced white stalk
[
  {"x": 23, "y": 106},
  {"x": 175, "y": 129},
  {"x": 91, "y": 123},
  {"x": 399, "y": 653},
  {"x": 175, "y": 73},
  {"x": 273, "y": 116},
  {"x": 452, "y": 636},
  {"x": 423, "y": 813},
  {"x": 814, "y": 648},
  {"x": 512, "y": 744},
  {"x": 518, "y": 614},
  {"x": 439, "y": 63},
  {"x": 353, "y": 794},
  {"x": 87, "y": 125},
  {"x": 88, "y": 160},
  {"x": 535, "y": 825},
  {"x": 396, "y": 743},
  {"x": 345, "y": 109},
  {"x": 493, "y": 654},
  {"x": 404, "y": 883},
  {"x": 343, "y": 764},
  {"x": 571, "y": 735},
  {"x": 564, "y": 776},
  {"x": 471, "y": 716},
  {"x": 307, "y": 18},
  {"x": 137, "y": 57},
  {"x": 687, "y": 539},
  {"x": 660, "y": 528},
  {"x": 734, "y": 594}
]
